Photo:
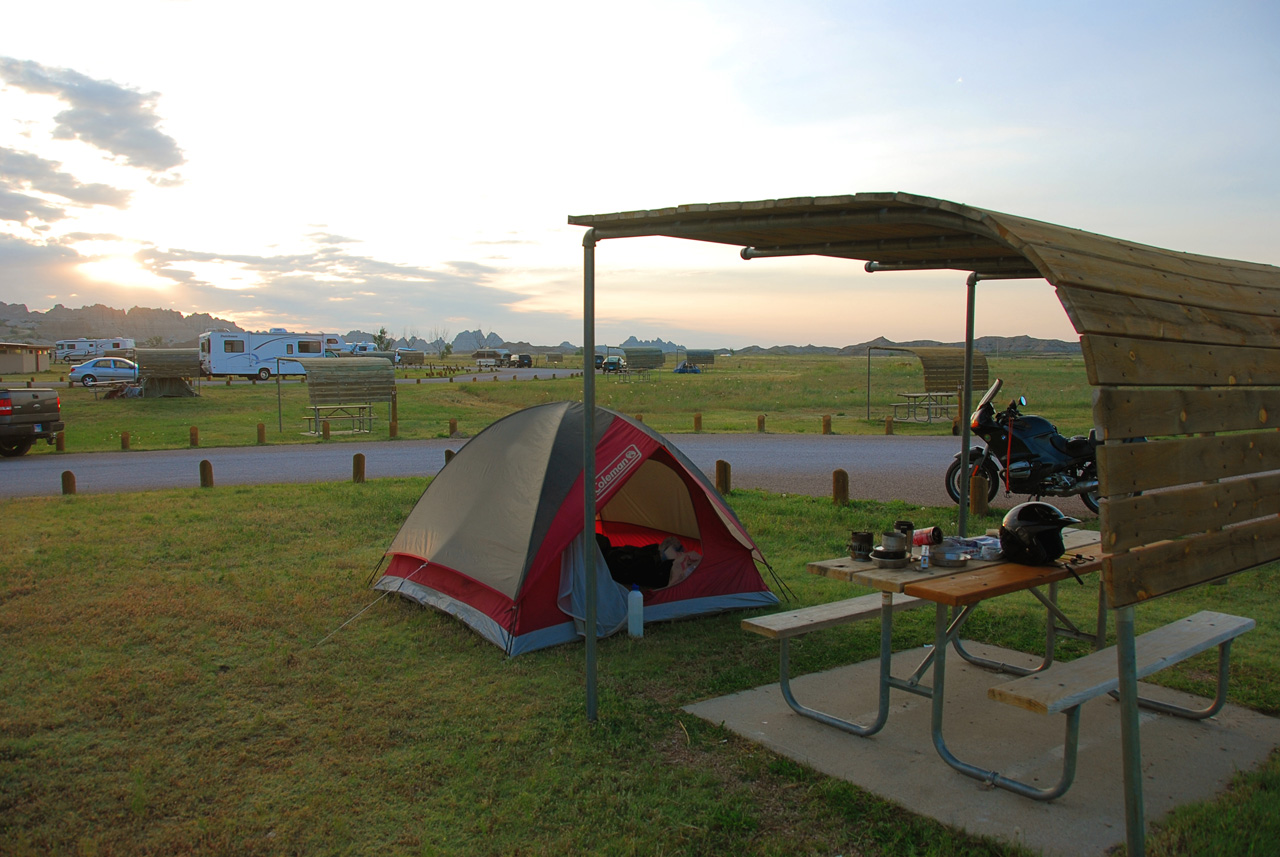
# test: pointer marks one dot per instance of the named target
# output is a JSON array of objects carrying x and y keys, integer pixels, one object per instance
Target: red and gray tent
[{"x": 497, "y": 537}]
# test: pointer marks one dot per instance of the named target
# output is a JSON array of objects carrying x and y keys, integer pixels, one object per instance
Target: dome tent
[{"x": 497, "y": 537}]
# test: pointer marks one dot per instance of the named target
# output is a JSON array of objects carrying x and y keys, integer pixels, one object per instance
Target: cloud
[
  {"x": 113, "y": 118},
  {"x": 22, "y": 171}
]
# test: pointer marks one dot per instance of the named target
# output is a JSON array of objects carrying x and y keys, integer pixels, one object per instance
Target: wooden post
[
  {"x": 724, "y": 477},
  {"x": 826, "y": 423},
  {"x": 453, "y": 427},
  {"x": 262, "y": 434},
  {"x": 124, "y": 440},
  {"x": 68, "y": 482},
  {"x": 888, "y": 425},
  {"x": 206, "y": 473},
  {"x": 697, "y": 422},
  {"x": 393, "y": 430},
  {"x": 60, "y": 441},
  {"x": 228, "y": 380},
  {"x": 840, "y": 487},
  {"x": 324, "y": 429},
  {"x": 395, "y": 409},
  {"x": 357, "y": 467},
  {"x": 978, "y": 488},
  {"x": 639, "y": 418},
  {"x": 760, "y": 423},
  {"x": 195, "y": 436}
]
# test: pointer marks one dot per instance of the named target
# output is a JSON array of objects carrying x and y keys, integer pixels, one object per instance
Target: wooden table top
[{"x": 976, "y": 581}]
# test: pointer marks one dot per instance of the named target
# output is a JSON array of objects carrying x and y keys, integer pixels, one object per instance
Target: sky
[{"x": 329, "y": 166}]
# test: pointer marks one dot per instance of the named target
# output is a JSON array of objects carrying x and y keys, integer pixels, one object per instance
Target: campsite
[{"x": 197, "y": 691}]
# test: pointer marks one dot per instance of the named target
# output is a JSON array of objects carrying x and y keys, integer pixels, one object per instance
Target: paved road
[{"x": 880, "y": 467}]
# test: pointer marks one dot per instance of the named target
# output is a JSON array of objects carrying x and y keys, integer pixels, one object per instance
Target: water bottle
[{"x": 635, "y": 611}]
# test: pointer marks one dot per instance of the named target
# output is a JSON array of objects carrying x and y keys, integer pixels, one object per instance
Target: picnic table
[
  {"x": 925, "y": 407},
  {"x": 957, "y": 593}
]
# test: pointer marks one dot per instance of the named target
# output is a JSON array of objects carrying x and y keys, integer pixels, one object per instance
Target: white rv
[
  {"x": 261, "y": 355},
  {"x": 79, "y": 350}
]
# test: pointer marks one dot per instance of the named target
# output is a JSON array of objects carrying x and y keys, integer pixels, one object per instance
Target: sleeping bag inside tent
[{"x": 497, "y": 538}]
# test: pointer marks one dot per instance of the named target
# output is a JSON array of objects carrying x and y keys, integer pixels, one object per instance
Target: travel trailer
[
  {"x": 79, "y": 350},
  {"x": 261, "y": 355}
]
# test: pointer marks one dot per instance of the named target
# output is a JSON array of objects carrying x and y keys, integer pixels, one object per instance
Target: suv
[
  {"x": 524, "y": 361},
  {"x": 26, "y": 415},
  {"x": 614, "y": 364}
]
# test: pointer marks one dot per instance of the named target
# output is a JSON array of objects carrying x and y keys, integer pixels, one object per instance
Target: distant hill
[
  {"x": 161, "y": 327},
  {"x": 989, "y": 345}
]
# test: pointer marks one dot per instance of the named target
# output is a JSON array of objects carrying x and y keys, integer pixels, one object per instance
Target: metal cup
[{"x": 860, "y": 545}]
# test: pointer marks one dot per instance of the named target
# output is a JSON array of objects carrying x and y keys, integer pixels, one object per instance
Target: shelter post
[
  {"x": 962, "y": 526},
  {"x": 1130, "y": 745},
  {"x": 589, "y": 456}
]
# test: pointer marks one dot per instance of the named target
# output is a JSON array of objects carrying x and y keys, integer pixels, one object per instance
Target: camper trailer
[
  {"x": 261, "y": 355},
  {"x": 79, "y": 350}
]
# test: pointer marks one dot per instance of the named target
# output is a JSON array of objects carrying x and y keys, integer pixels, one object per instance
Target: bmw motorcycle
[{"x": 1026, "y": 455}]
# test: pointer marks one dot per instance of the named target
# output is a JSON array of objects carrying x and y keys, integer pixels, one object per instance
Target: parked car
[
  {"x": 614, "y": 364},
  {"x": 104, "y": 369},
  {"x": 28, "y": 414},
  {"x": 524, "y": 361}
]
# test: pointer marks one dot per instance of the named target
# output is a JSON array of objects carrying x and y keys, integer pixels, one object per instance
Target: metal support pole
[
  {"x": 962, "y": 527},
  {"x": 1131, "y": 749},
  {"x": 589, "y": 456}
]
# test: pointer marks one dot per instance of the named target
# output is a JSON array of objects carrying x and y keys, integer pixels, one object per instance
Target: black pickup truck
[{"x": 27, "y": 414}]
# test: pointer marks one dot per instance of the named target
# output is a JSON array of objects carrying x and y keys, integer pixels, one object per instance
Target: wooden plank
[
  {"x": 1066, "y": 685},
  {"x": 1140, "y": 575},
  {"x": 1124, "y": 361},
  {"x": 1144, "y": 318},
  {"x": 1123, "y": 412},
  {"x": 1127, "y": 467},
  {"x": 793, "y": 623},
  {"x": 1131, "y": 522},
  {"x": 970, "y": 587}
]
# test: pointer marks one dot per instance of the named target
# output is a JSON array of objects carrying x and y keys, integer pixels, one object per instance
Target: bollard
[
  {"x": 697, "y": 422},
  {"x": 324, "y": 429},
  {"x": 888, "y": 425},
  {"x": 228, "y": 380},
  {"x": 393, "y": 429},
  {"x": 760, "y": 423},
  {"x": 448, "y": 455},
  {"x": 206, "y": 473},
  {"x": 418, "y": 381},
  {"x": 495, "y": 377},
  {"x": 357, "y": 468},
  {"x": 60, "y": 441},
  {"x": 453, "y": 427},
  {"x": 978, "y": 488},
  {"x": 124, "y": 440},
  {"x": 955, "y": 426},
  {"x": 395, "y": 409},
  {"x": 30, "y": 384},
  {"x": 724, "y": 476},
  {"x": 639, "y": 418},
  {"x": 262, "y": 434},
  {"x": 195, "y": 436},
  {"x": 68, "y": 482},
  {"x": 840, "y": 487},
  {"x": 826, "y": 423}
]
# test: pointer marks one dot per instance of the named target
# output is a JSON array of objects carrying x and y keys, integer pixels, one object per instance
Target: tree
[{"x": 382, "y": 341}]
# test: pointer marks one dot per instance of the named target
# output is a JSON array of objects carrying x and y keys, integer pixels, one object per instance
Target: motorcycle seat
[{"x": 1077, "y": 447}]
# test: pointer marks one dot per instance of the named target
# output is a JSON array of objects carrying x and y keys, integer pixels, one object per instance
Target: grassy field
[
  {"x": 165, "y": 690},
  {"x": 792, "y": 393}
]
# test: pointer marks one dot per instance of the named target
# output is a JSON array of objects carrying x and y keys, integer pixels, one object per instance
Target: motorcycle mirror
[{"x": 1022, "y": 400}]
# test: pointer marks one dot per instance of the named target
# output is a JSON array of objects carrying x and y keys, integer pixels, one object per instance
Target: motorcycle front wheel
[
  {"x": 956, "y": 472},
  {"x": 1090, "y": 498}
]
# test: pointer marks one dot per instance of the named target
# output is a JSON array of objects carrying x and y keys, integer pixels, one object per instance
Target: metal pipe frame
[
  {"x": 942, "y": 634},
  {"x": 589, "y": 457}
]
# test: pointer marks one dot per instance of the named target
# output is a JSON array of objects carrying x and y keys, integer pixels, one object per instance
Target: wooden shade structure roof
[{"x": 1183, "y": 351}]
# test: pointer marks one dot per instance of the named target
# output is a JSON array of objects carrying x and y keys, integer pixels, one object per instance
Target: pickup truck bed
[{"x": 28, "y": 414}]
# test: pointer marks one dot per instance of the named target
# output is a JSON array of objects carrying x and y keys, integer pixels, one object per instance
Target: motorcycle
[{"x": 1027, "y": 455}]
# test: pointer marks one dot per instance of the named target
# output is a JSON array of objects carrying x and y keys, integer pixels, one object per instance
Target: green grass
[
  {"x": 164, "y": 690},
  {"x": 792, "y": 393}
]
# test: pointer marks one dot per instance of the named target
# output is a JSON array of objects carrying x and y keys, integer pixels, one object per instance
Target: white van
[{"x": 261, "y": 355}]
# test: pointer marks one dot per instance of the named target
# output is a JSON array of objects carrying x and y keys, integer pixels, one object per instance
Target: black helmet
[{"x": 1032, "y": 533}]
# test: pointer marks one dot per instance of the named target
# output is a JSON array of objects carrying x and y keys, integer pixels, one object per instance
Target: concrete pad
[{"x": 1184, "y": 761}]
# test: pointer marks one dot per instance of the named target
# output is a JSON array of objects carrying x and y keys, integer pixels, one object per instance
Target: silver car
[{"x": 104, "y": 369}]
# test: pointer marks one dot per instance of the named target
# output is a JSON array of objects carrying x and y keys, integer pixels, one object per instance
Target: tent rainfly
[{"x": 497, "y": 538}]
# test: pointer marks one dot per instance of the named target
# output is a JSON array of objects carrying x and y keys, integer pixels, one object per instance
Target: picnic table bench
[{"x": 358, "y": 416}]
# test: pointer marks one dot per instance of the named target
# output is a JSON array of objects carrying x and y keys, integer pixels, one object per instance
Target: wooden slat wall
[
  {"x": 1185, "y": 353},
  {"x": 944, "y": 369},
  {"x": 349, "y": 381},
  {"x": 168, "y": 362}
]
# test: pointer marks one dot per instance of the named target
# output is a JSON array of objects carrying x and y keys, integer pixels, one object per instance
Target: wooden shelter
[
  {"x": 1181, "y": 349},
  {"x": 167, "y": 372},
  {"x": 644, "y": 357},
  {"x": 944, "y": 370},
  {"x": 347, "y": 389}
]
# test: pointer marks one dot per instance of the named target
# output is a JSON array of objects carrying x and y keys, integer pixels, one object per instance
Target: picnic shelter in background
[{"x": 1182, "y": 349}]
